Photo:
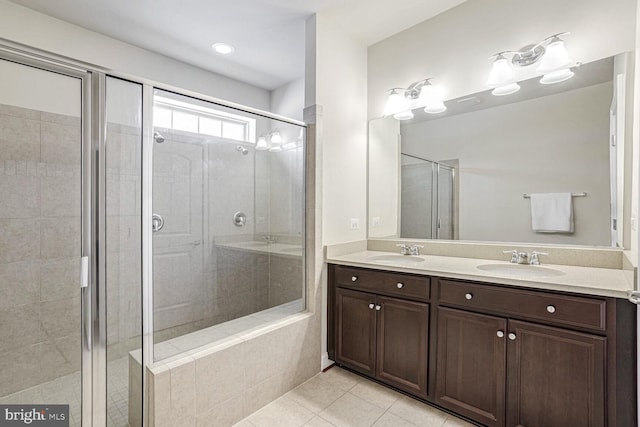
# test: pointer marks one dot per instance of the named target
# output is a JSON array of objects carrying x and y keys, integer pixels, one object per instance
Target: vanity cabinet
[
  {"x": 383, "y": 336},
  {"x": 498, "y": 355}
]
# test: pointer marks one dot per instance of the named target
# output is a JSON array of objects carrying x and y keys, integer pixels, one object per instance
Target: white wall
[
  {"x": 557, "y": 143},
  {"x": 384, "y": 181},
  {"x": 288, "y": 100},
  {"x": 35, "y": 89},
  {"x": 341, "y": 89},
  {"x": 25, "y": 26},
  {"x": 454, "y": 46}
]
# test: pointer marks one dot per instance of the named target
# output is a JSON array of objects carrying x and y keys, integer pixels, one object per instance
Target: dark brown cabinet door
[
  {"x": 555, "y": 377},
  {"x": 402, "y": 345},
  {"x": 355, "y": 330},
  {"x": 471, "y": 364}
]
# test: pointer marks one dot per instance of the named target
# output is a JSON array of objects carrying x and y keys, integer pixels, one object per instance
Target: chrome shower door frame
[{"x": 24, "y": 56}]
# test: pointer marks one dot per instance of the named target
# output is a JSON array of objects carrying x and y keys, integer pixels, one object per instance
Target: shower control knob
[
  {"x": 400, "y": 285},
  {"x": 468, "y": 295},
  {"x": 354, "y": 278}
]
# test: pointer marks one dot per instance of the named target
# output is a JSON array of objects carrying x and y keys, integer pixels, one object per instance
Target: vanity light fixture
[
  {"x": 419, "y": 94},
  {"x": 555, "y": 65},
  {"x": 262, "y": 144}
]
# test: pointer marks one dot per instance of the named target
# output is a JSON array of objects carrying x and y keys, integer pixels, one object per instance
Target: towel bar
[{"x": 583, "y": 194}]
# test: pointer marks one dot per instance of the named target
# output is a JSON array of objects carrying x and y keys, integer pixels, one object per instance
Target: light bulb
[
  {"x": 557, "y": 76},
  {"x": 555, "y": 58},
  {"x": 435, "y": 108},
  {"x": 276, "y": 138},
  {"x": 396, "y": 102},
  {"x": 262, "y": 144},
  {"x": 501, "y": 73},
  {"x": 507, "y": 89},
  {"x": 404, "y": 115}
]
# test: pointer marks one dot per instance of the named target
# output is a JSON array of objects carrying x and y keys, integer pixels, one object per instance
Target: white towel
[{"x": 552, "y": 213}]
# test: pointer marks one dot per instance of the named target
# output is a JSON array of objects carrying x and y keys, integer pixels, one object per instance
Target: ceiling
[{"x": 268, "y": 35}]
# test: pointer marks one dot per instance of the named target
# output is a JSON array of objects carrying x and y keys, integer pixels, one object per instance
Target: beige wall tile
[
  {"x": 262, "y": 393},
  {"x": 25, "y": 113},
  {"x": 61, "y": 356},
  {"x": 19, "y": 369},
  {"x": 61, "y": 143},
  {"x": 60, "y": 238},
  {"x": 60, "y": 119},
  {"x": 60, "y": 318},
  {"x": 61, "y": 196},
  {"x": 19, "y": 240},
  {"x": 19, "y": 284},
  {"x": 225, "y": 414},
  {"x": 219, "y": 377},
  {"x": 19, "y": 196},
  {"x": 60, "y": 279},
  {"x": 20, "y": 326},
  {"x": 19, "y": 138}
]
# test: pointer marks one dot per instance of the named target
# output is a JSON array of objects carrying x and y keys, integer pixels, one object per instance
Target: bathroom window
[{"x": 172, "y": 114}]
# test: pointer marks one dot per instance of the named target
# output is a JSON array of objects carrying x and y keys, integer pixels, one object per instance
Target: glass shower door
[{"x": 42, "y": 229}]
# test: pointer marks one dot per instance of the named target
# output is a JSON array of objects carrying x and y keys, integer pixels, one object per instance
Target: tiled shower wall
[{"x": 40, "y": 225}]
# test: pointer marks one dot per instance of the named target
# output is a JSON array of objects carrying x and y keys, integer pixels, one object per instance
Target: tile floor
[
  {"x": 340, "y": 398},
  {"x": 67, "y": 390}
]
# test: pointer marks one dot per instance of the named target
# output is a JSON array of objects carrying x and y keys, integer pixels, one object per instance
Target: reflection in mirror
[{"x": 544, "y": 139}]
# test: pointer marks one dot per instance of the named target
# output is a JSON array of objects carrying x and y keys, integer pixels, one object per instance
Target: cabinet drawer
[
  {"x": 581, "y": 312},
  {"x": 385, "y": 283}
]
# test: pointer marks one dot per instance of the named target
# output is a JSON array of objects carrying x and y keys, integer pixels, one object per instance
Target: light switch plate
[{"x": 355, "y": 223}]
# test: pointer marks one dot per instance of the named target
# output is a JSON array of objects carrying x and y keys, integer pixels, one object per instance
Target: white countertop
[{"x": 584, "y": 280}]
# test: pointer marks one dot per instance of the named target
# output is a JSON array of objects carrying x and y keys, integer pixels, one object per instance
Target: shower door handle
[{"x": 157, "y": 222}]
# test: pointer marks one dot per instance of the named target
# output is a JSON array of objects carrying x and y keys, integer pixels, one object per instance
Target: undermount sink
[
  {"x": 396, "y": 259},
  {"x": 520, "y": 270}
]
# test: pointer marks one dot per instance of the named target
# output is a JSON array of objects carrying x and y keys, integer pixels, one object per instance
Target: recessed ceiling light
[{"x": 223, "y": 48}]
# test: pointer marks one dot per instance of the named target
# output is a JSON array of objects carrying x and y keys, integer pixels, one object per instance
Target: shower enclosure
[
  {"x": 136, "y": 224},
  {"x": 428, "y": 199}
]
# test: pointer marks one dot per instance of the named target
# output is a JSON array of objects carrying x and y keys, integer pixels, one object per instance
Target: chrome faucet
[
  {"x": 534, "y": 257},
  {"x": 406, "y": 249},
  {"x": 517, "y": 257},
  {"x": 269, "y": 239},
  {"x": 521, "y": 257}
]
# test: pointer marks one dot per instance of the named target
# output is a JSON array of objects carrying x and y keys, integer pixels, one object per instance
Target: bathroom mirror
[{"x": 464, "y": 174}]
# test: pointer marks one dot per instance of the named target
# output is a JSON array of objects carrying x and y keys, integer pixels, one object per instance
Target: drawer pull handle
[
  {"x": 500, "y": 334},
  {"x": 378, "y": 307},
  {"x": 354, "y": 278},
  {"x": 512, "y": 336},
  {"x": 551, "y": 309},
  {"x": 468, "y": 295},
  {"x": 371, "y": 306},
  {"x": 400, "y": 285}
]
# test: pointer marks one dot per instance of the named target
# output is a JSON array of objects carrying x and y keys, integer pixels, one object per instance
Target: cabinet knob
[
  {"x": 354, "y": 278},
  {"x": 400, "y": 285},
  {"x": 378, "y": 307},
  {"x": 371, "y": 306},
  {"x": 468, "y": 295},
  {"x": 551, "y": 309},
  {"x": 512, "y": 336},
  {"x": 500, "y": 334}
]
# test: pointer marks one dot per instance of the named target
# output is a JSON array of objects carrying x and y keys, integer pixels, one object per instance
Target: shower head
[
  {"x": 158, "y": 137},
  {"x": 243, "y": 150}
]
